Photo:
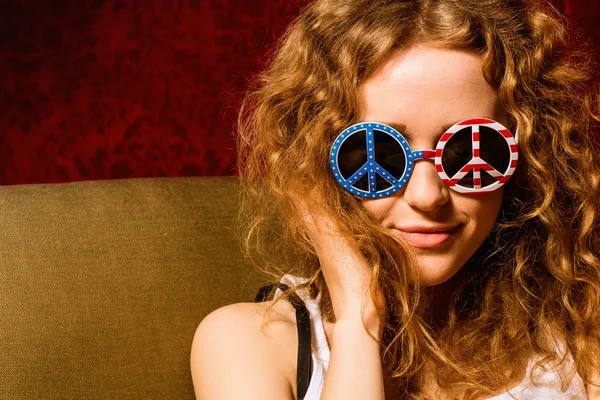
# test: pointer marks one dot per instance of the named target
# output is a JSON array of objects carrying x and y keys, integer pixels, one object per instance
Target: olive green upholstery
[{"x": 103, "y": 284}]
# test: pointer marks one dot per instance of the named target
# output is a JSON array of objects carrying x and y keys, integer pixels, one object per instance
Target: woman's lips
[{"x": 427, "y": 237}]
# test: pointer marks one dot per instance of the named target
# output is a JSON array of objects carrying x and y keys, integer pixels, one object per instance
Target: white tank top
[{"x": 546, "y": 386}]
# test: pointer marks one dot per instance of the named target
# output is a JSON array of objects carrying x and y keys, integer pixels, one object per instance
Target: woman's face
[{"x": 426, "y": 90}]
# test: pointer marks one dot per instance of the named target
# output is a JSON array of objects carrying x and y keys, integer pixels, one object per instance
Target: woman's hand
[
  {"x": 355, "y": 370},
  {"x": 346, "y": 272}
]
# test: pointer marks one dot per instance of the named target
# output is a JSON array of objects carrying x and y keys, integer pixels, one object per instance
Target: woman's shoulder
[
  {"x": 245, "y": 346},
  {"x": 260, "y": 320}
]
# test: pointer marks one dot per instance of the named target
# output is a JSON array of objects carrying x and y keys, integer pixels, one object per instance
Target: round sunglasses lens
[
  {"x": 352, "y": 156},
  {"x": 458, "y": 152},
  {"x": 390, "y": 156},
  {"x": 495, "y": 151}
]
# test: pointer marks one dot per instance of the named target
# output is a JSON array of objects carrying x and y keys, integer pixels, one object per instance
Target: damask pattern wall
[{"x": 105, "y": 89}]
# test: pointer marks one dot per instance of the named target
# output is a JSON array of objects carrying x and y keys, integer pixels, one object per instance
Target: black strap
[{"x": 304, "y": 336}]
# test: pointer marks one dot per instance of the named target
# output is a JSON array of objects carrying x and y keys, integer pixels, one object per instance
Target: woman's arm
[
  {"x": 355, "y": 370},
  {"x": 231, "y": 358}
]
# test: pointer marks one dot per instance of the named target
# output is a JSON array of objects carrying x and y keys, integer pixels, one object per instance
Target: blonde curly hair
[{"x": 542, "y": 270}]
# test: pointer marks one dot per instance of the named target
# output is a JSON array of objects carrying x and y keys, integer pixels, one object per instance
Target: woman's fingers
[{"x": 346, "y": 271}]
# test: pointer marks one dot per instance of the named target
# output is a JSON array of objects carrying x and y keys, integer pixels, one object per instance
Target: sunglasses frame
[{"x": 476, "y": 164}]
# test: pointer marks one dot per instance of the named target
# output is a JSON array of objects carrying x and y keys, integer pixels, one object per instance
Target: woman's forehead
[{"x": 429, "y": 88}]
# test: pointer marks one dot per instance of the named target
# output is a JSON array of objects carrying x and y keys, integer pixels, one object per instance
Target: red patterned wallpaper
[
  {"x": 93, "y": 89},
  {"x": 102, "y": 89}
]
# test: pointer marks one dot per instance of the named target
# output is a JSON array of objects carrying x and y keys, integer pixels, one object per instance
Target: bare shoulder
[{"x": 241, "y": 351}]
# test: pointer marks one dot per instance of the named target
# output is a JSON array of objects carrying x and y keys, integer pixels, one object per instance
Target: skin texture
[{"x": 425, "y": 90}]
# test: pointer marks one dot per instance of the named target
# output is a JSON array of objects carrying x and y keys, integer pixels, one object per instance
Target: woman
[{"x": 466, "y": 266}]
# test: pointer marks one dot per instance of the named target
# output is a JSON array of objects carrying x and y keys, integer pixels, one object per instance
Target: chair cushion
[{"x": 105, "y": 282}]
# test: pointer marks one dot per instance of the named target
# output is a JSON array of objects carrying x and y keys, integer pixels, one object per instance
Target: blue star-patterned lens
[{"x": 376, "y": 160}]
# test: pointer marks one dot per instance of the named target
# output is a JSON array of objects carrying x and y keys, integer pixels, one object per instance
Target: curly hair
[{"x": 541, "y": 280}]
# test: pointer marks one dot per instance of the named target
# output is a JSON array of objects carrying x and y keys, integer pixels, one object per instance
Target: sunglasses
[{"x": 474, "y": 156}]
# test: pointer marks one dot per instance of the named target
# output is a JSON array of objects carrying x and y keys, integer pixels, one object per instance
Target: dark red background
[{"x": 102, "y": 89}]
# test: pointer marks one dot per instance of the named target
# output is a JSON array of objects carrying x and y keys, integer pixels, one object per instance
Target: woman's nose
[{"x": 425, "y": 190}]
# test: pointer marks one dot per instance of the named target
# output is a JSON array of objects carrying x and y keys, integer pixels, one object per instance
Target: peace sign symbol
[
  {"x": 373, "y": 160},
  {"x": 502, "y": 154}
]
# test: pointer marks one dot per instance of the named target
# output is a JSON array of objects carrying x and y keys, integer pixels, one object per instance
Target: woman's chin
[
  {"x": 433, "y": 280},
  {"x": 436, "y": 272}
]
